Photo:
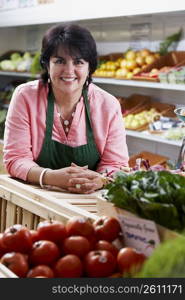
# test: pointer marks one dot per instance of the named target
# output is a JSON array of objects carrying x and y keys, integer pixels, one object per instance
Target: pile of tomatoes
[{"x": 80, "y": 248}]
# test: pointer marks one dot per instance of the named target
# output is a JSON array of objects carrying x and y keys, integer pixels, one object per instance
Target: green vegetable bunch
[
  {"x": 171, "y": 39},
  {"x": 167, "y": 261},
  {"x": 155, "y": 195}
]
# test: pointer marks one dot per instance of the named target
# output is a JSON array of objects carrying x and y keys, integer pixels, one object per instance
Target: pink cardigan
[{"x": 25, "y": 128}]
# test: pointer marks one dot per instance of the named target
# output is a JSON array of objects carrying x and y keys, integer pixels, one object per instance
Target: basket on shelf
[
  {"x": 7, "y": 54},
  {"x": 133, "y": 103},
  {"x": 162, "y": 109},
  {"x": 172, "y": 59},
  {"x": 153, "y": 158}
]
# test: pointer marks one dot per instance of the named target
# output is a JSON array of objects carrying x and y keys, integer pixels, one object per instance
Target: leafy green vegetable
[
  {"x": 35, "y": 66},
  {"x": 167, "y": 261},
  {"x": 171, "y": 39},
  {"x": 155, "y": 195}
]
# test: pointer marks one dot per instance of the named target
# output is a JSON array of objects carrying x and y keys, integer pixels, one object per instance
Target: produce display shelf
[
  {"x": 145, "y": 84},
  {"x": 152, "y": 137},
  {"x": 134, "y": 83},
  {"x": 18, "y": 74}
]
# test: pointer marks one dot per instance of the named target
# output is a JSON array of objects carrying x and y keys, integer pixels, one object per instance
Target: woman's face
[{"x": 68, "y": 74}]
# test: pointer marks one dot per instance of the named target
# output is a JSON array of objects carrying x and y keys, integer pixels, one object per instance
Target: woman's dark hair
[{"x": 75, "y": 39}]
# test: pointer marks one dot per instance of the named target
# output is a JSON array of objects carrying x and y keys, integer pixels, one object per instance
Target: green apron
[{"x": 56, "y": 155}]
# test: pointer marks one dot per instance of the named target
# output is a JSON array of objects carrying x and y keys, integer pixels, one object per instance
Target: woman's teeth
[{"x": 68, "y": 79}]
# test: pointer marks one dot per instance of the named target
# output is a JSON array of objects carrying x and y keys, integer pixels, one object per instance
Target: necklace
[{"x": 66, "y": 122}]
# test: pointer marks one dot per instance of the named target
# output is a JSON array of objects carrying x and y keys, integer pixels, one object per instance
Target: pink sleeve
[
  {"x": 115, "y": 153},
  {"x": 18, "y": 157}
]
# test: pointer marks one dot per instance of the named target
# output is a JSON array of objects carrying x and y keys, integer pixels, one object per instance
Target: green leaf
[{"x": 169, "y": 40}]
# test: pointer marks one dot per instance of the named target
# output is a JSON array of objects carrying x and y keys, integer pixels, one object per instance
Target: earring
[
  {"x": 49, "y": 80},
  {"x": 87, "y": 81}
]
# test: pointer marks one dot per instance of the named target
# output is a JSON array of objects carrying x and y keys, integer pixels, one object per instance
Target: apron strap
[
  {"x": 49, "y": 115},
  {"x": 89, "y": 130}
]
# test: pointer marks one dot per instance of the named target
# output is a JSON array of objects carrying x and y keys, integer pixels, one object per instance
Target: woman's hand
[
  {"x": 86, "y": 182},
  {"x": 75, "y": 179}
]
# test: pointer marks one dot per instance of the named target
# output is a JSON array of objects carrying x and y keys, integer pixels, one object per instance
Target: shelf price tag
[{"x": 138, "y": 233}]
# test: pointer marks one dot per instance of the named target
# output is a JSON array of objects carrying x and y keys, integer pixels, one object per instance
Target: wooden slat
[
  {"x": 18, "y": 215},
  {"x": 3, "y": 215},
  {"x": 6, "y": 273},
  {"x": 36, "y": 221},
  {"x": 27, "y": 219},
  {"x": 10, "y": 214}
]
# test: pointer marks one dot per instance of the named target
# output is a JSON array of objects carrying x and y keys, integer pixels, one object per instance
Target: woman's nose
[{"x": 69, "y": 66}]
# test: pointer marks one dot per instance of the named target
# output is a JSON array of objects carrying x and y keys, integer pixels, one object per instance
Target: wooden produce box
[
  {"x": 133, "y": 103},
  {"x": 172, "y": 59},
  {"x": 21, "y": 203},
  {"x": 154, "y": 159},
  {"x": 6, "y": 273},
  {"x": 162, "y": 109}
]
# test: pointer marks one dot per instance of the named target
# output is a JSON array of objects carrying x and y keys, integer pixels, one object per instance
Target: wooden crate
[
  {"x": 26, "y": 204},
  {"x": 131, "y": 104},
  {"x": 6, "y": 273},
  {"x": 171, "y": 59}
]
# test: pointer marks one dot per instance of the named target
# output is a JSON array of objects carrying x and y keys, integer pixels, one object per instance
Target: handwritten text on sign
[{"x": 139, "y": 233}]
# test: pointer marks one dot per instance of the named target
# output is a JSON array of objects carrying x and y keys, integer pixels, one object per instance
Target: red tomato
[
  {"x": 16, "y": 262},
  {"x": 92, "y": 240},
  {"x": 41, "y": 271},
  {"x": 51, "y": 230},
  {"x": 129, "y": 259},
  {"x": 34, "y": 235},
  {"x": 44, "y": 253},
  {"x": 105, "y": 245},
  {"x": 107, "y": 228},
  {"x": 40, "y": 277},
  {"x": 69, "y": 266},
  {"x": 100, "y": 263},
  {"x": 17, "y": 238},
  {"x": 79, "y": 226},
  {"x": 78, "y": 245}
]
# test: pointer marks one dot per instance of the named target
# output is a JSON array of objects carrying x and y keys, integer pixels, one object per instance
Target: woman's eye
[
  {"x": 59, "y": 61},
  {"x": 78, "y": 62}
]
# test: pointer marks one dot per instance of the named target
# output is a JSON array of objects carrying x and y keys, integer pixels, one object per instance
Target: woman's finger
[
  {"x": 74, "y": 165},
  {"x": 83, "y": 188}
]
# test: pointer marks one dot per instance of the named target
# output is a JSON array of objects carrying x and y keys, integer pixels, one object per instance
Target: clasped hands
[{"x": 77, "y": 179}]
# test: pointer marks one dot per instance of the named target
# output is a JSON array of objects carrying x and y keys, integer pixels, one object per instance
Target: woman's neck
[
  {"x": 66, "y": 103},
  {"x": 66, "y": 99}
]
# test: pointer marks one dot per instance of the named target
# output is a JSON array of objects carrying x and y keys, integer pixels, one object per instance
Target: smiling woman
[{"x": 63, "y": 130}]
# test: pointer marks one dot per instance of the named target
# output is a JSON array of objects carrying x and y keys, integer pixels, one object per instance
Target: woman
[{"x": 62, "y": 130}]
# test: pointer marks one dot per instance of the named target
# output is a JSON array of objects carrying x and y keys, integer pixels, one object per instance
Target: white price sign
[{"x": 139, "y": 233}]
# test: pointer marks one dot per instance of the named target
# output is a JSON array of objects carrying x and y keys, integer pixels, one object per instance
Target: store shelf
[
  {"x": 152, "y": 137},
  {"x": 134, "y": 83},
  {"x": 145, "y": 84},
  {"x": 18, "y": 74}
]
